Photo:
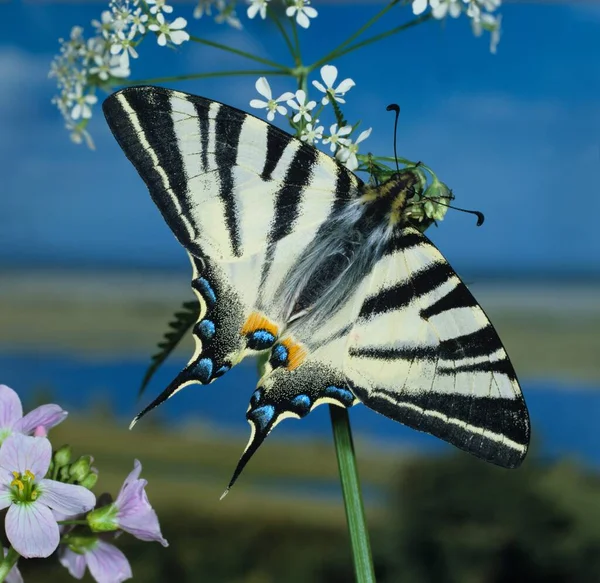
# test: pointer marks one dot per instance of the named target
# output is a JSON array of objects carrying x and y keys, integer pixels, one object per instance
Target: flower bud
[
  {"x": 90, "y": 480},
  {"x": 63, "y": 474},
  {"x": 62, "y": 456},
  {"x": 103, "y": 519},
  {"x": 81, "y": 468}
]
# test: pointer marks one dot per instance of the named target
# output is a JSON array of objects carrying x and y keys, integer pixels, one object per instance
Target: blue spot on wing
[
  {"x": 225, "y": 368},
  {"x": 260, "y": 340},
  {"x": 205, "y": 329},
  {"x": 262, "y": 416},
  {"x": 301, "y": 402},
  {"x": 345, "y": 396},
  {"x": 279, "y": 356},
  {"x": 203, "y": 369},
  {"x": 206, "y": 290},
  {"x": 255, "y": 398}
]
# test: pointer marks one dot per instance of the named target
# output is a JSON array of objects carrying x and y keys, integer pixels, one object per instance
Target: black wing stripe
[
  {"x": 458, "y": 297},
  {"x": 400, "y": 295},
  {"x": 494, "y": 429},
  {"x": 277, "y": 142},
  {"x": 226, "y": 148},
  {"x": 140, "y": 119}
]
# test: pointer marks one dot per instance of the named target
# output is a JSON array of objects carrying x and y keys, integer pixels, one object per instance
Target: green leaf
[{"x": 182, "y": 322}]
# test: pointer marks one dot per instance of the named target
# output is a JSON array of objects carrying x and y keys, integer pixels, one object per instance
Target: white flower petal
[
  {"x": 419, "y": 6},
  {"x": 259, "y": 104},
  {"x": 302, "y": 20},
  {"x": 21, "y": 452},
  {"x": 319, "y": 86},
  {"x": 329, "y": 74},
  {"x": 67, "y": 499},
  {"x": 345, "y": 86},
  {"x": 263, "y": 87},
  {"x": 32, "y": 529}
]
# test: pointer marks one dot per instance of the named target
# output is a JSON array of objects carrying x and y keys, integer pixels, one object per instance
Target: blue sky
[{"x": 516, "y": 134}]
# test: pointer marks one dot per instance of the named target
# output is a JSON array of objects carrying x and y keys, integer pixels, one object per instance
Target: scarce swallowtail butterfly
[{"x": 293, "y": 254}]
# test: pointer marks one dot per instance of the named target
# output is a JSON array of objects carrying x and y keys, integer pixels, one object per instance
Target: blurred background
[{"x": 90, "y": 275}]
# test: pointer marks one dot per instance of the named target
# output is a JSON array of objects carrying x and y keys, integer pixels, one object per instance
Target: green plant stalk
[
  {"x": 354, "y": 35},
  {"x": 353, "y": 503},
  {"x": 286, "y": 37},
  {"x": 188, "y": 77},
  {"x": 8, "y": 563},
  {"x": 223, "y": 47}
]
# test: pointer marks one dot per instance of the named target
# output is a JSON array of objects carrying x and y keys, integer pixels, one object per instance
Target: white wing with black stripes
[
  {"x": 244, "y": 198},
  {"x": 293, "y": 254}
]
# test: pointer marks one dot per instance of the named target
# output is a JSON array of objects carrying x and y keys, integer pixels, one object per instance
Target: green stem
[
  {"x": 8, "y": 563},
  {"x": 296, "y": 44},
  {"x": 222, "y": 47},
  {"x": 207, "y": 75},
  {"x": 355, "y": 512},
  {"x": 335, "y": 52},
  {"x": 383, "y": 35},
  {"x": 286, "y": 37}
]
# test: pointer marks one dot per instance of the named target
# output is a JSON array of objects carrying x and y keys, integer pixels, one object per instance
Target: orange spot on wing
[
  {"x": 297, "y": 353},
  {"x": 256, "y": 321}
]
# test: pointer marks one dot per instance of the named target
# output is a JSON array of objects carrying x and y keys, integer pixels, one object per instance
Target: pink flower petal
[
  {"x": 108, "y": 564},
  {"x": 47, "y": 416},
  {"x": 67, "y": 499},
  {"x": 11, "y": 409},
  {"x": 21, "y": 452},
  {"x": 135, "y": 514},
  {"x": 5, "y": 493},
  {"x": 32, "y": 530},
  {"x": 73, "y": 562}
]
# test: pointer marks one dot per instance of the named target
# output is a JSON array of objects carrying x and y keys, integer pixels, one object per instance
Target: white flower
[
  {"x": 122, "y": 14},
  {"x": 473, "y": 9},
  {"x": 227, "y": 14},
  {"x": 138, "y": 21},
  {"x": 124, "y": 44},
  {"x": 302, "y": 108},
  {"x": 107, "y": 66},
  {"x": 257, "y": 7},
  {"x": 303, "y": 12},
  {"x": 157, "y": 6},
  {"x": 82, "y": 103},
  {"x": 104, "y": 27},
  {"x": 272, "y": 105},
  {"x": 311, "y": 134},
  {"x": 336, "y": 137},
  {"x": 203, "y": 7},
  {"x": 347, "y": 152},
  {"x": 440, "y": 8},
  {"x": 419, "y": 6},
  {"x": 329, "y": 75},
  {"x": 172, "y": 31},
  {"x": 491, "y": 23}
]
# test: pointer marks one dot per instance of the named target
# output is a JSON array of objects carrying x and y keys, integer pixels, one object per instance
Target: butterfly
[{"x": 296, "y": 257}]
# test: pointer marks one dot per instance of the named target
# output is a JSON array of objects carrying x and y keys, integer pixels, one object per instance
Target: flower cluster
[
  {"x": 479, "y": 11},
  {"x": 104, "y": 59},
  {"x": 300, "y": 10},
  {"x": 50, "y": 505},
  {"x": 305, "y": 120}
]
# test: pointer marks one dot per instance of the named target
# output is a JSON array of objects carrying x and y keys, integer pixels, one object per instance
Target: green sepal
[
  {"x": 182, "y": 321},
  {"x": 103, "y": 519},
  {"x": 62, "y": 456}
]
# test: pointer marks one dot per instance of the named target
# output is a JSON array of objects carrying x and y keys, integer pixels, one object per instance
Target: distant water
[{"x": 566, "y": 419}]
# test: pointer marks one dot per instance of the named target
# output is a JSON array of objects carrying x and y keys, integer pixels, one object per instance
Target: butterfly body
[{"x": 294, "y": 255}]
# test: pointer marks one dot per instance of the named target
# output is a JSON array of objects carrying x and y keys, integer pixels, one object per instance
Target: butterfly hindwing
[
  {"x": 450, "y": 376},
  {"x": 411, "y": 343}
]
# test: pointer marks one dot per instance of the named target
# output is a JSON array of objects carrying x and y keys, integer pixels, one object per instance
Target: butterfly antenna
[
  {"x": 480, "y": 216},
  {"x": 395, "y": 108}
]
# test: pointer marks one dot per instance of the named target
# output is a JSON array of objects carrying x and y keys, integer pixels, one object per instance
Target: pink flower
[
  {"x": 107, "y": 564},
  {"x": 131, "y": 511},
  {"x": 37, "y": 422},
  {"x": 31, "y": 499}
]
